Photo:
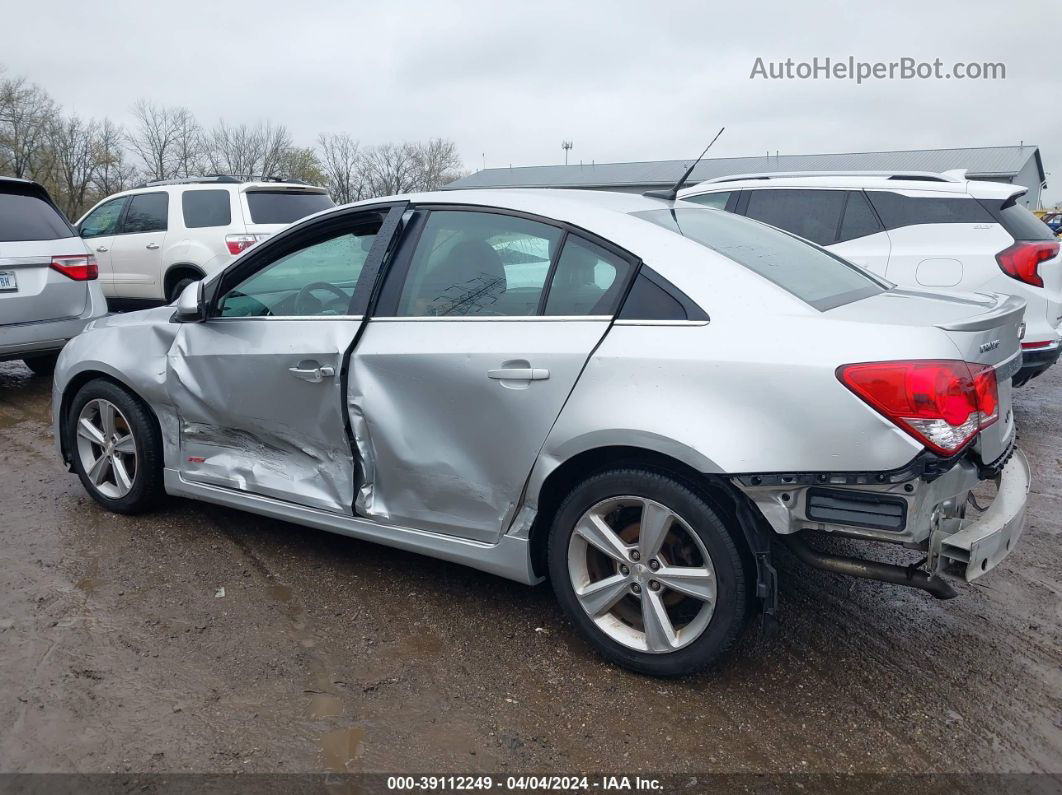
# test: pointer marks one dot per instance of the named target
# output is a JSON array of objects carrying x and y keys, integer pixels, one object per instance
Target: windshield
[
  {"x": 811, "y": 274},
  {"x": 284, "y": 206}
]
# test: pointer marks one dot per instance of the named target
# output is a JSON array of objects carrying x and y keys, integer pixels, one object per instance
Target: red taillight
[
  {"x": 79, "y": 267},
  {"x": 1025, "y": 346},
  {"x": 1022, "y": 261},
  {"x": 238, "y": 243},
  {"x": 942, "y": 403}
]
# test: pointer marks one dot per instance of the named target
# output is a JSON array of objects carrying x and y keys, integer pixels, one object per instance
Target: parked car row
[
  {"x": 143, "y": 247},
  {"x": 632, "y": 397}
]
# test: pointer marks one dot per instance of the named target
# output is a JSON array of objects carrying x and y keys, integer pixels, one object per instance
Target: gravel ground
[{"x": 117, "y": 652}]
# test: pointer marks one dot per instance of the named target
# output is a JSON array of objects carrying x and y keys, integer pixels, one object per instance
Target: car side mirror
[{"x": 190, "y": 306}]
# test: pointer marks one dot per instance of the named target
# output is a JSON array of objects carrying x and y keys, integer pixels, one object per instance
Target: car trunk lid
[{"x": 985, "y": 329}]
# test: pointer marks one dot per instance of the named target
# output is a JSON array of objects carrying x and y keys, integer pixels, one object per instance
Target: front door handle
[
  {"x": 314, "y": 375},
  {"x": 152, "y": 246},
  {"x": 101, "y": 249},
  {"x": 518, "y": 374}
]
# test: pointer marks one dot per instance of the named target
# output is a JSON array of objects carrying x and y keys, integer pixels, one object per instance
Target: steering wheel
[{"x": 305, "y": 295}]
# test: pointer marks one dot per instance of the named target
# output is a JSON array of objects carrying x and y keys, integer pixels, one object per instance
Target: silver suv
[
  {"x": 630, "y": 396},
  {"x": 48, "y": 286}
]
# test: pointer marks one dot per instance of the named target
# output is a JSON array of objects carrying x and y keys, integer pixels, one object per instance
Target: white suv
[
  {"x": 919, "y": 230},
  {"x": 152, "y": 241}
]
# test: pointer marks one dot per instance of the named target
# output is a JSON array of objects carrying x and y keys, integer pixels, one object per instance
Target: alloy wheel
[
  {"x": 642, "y": 574},
  {"x": 106, "y": 448}
]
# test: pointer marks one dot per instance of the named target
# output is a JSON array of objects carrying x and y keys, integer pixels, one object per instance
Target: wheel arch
[
  {"x": 180, "y": 270},
  {"x": 74, "y": 385},
  {"x": 738, "y": 510}
]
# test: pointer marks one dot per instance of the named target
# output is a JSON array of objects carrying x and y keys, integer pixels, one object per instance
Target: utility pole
[{"x": 567, "y": 147}]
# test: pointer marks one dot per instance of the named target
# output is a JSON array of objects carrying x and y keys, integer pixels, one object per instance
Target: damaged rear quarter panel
[{"x": 737, "y": 396}]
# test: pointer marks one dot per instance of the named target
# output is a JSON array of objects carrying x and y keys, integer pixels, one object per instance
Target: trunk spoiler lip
[{"x": 1006, "y": 309}]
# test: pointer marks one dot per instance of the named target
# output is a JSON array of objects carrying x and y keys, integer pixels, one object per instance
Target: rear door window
[
  {"x": 24, "y": 216},
  {"x": 147, "y": 213},
  {"x": 284, "y": 207},
  {"x": 478, "y": 263},
  {"x": 859, "y": 218},
  {"x": 204, "y": 208},
  {"x": 588, "y": 280},
  {"x": 811, "y": 214},
  {"x": 1017, "y": 220},
  {"x": 897, "y": 210},
  {"x": 812, "y": 274}
]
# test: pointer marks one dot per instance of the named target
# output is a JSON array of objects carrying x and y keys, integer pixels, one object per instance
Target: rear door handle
[
  {"x": 101, "y": 249},
  {"x": 314, "y": 375},
  {"x": 518, "y": 374},
  {"x": 152, "y": 246}
]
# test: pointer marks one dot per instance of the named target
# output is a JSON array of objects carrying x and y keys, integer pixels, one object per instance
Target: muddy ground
[{"x": 117, "y": 652}]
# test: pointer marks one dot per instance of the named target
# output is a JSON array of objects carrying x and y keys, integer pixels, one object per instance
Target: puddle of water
[
  {"x": 281, "y": 593},
  {"x": 421, "y": 644},
  {"x": 339, "y": 748},
  {"x": 324, "y": 705},
  {"x": 87, "y": 585}
]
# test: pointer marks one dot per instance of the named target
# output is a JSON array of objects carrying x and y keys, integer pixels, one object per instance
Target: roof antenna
[{"x": 672, "y": 193}]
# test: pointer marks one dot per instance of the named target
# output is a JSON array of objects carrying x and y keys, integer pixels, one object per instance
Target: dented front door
[{"x": 257, "y": 386}]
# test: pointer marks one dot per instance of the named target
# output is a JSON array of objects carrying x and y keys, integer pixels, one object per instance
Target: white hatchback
[
  {"x": 152, "y": 241},
  {"x": 918, "y": 230}
]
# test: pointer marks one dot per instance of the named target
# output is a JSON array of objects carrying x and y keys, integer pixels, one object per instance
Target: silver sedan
[{"x": 628, "y": 396}]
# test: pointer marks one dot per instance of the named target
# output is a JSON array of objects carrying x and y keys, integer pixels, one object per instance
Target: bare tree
[
  {"x": 342, "y": 163},
  {"x": 71, "y": 142},
  {"x": 438, "y": 163},
  {"x": 26, "y": 114},
  {"x": 165, "y": 139},
  {"x": 276, "y": 148},
  {"x": 113, "y": 172},
  {"x": 391, "y": 168},
  {"x": 246, "y": 150}
]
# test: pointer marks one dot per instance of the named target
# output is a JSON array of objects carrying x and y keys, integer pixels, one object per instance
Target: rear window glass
[
  {"x": 283, "y": 207},
  {"x": 811, "y": 274},
  {"x": 897, "y": 210},
  {"x": 1017, "y": 220},
  {"x": 206, "y": 208},
  {"x": 25, "y": 217}
]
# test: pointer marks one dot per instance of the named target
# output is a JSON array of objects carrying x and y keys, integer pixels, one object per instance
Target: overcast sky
[{"x": 509, "y": 82}]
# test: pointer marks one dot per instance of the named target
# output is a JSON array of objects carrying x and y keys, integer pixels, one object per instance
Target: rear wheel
[
  {"x": 42, "y": 365},
  {"x": 647, "y": 570},
  {"x": 115, "y": 447}
]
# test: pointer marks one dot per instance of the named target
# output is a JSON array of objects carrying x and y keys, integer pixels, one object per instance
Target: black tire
[
  {"x": 178, "y": 288},
  {"x": 147, "y": 488},
  {"x": 42, "y": 365},
  {"x": 733, "y": 598}
]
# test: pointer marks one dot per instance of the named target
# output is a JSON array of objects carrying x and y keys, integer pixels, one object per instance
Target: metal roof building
[{"x": 1020, "y": 165}]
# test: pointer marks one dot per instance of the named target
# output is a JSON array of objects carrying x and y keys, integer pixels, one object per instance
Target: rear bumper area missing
[
  {"x": 977, "y": 546},
  {"x": 931, "y": 515}
]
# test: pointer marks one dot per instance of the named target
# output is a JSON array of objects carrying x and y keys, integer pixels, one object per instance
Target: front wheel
[
  {"x": 647, "y": 570},
  {"x": 115, "y": 447}
]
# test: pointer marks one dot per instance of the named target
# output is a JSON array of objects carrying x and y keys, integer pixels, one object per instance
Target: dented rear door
[{"x": 258, "y": 385}]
